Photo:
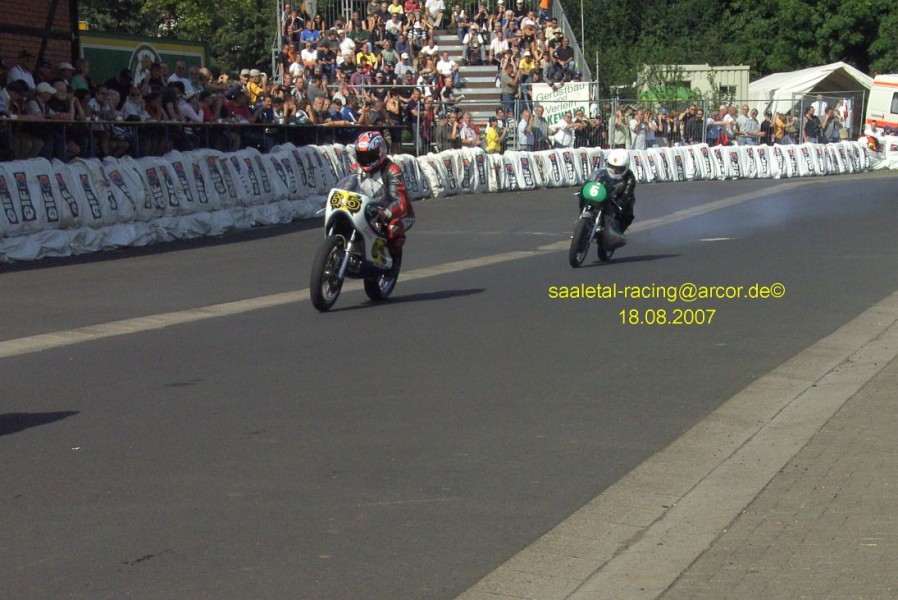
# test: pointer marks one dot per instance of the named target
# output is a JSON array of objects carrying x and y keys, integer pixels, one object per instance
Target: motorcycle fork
[
  {"x": 597, "y": 224},
  {"x": 347, "y": 252}
]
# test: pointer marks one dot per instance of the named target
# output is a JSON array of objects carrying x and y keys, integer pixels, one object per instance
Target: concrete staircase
[{"x": 478, "y": 83}]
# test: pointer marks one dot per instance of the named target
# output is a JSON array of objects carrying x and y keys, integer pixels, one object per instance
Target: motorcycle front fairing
[{"x": 352, "y": 207}]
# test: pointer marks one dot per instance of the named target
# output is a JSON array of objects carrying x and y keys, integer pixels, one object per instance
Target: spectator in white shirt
[
  {"x": 430, "y": 49},
  {"x": 435, "y": 10},
  {"x": 498, "y": 48},
  {"x": 564, "y": 135},
  {"x": 447, "y": 67},
  {"x": 180, "y": 74},
  {"x": 404, "y": 66}
]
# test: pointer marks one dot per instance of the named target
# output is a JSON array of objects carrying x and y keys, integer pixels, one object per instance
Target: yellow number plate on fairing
[{"x": 349, "y": 201}]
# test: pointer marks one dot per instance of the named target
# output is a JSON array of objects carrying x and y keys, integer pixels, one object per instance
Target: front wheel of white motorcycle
[
  {"x": 380, "y": 287},
  {"x": 325, "y": 283}
]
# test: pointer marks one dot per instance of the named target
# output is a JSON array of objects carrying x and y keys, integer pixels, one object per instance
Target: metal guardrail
[{"x": 156, "y": 138}]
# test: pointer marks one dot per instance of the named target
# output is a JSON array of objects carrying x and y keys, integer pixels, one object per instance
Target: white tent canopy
[{"x": 781, "y": 91}]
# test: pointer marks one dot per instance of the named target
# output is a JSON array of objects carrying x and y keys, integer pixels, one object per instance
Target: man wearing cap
[
  {"x": 389, "y": 74},
  {"x": 24, "y": 71},
  {"x": 378, "y": 87},
  {"x": 526, "y": 66},
  {"x": 54, "y": 143},
  {"x": 441, "y": 137},
  {"x": 472, "y": 46},
  {"x": 519, "y": 10},
  {"x": 361, "y": 77},
  {"x": 65, "y": 71},
  {"x": 405, "y": 65},
  {"x": 243, "y": 79},
  {"x": 553, "y": 41},
  {"x": 256, "y": 86}
]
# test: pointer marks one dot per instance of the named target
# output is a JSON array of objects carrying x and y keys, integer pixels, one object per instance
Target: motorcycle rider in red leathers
[{"x": 372, "y": 158}]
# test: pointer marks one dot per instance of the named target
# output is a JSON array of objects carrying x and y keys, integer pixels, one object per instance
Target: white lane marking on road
[
  {"x": 58, "y": 339},
  {"x": 635, "y": 539}
]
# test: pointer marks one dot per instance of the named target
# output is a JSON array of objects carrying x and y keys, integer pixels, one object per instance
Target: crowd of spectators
[
  {"x": 388, "y": 69},
  {"x": 379, "y": 70}
]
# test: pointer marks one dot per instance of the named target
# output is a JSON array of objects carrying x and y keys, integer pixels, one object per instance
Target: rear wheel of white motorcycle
[
  {"x": 580, "y": 243},
  {"x": 380, "y": 287},
  {"x": 325, "y": 284}
]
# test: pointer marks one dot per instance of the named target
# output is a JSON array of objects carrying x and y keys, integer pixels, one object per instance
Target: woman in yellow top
[{"x": 493, "y": 137}]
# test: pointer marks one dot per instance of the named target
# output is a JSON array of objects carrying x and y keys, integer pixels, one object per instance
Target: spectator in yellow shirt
[
  {"x": 396, "y": 9},
  {"x": 255, "y": 87},
  {"x": 494, "y": 137},
  {"x": 526, "y": 66}
]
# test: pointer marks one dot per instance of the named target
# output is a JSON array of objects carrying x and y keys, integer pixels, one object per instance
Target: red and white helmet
[{"x": 371, "y": 151}]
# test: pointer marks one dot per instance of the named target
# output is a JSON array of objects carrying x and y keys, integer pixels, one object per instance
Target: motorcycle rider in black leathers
[{"x": 620, "y": 182}]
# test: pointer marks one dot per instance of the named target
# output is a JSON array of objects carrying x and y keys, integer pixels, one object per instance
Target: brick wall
[{"x": 22, "y": 28}]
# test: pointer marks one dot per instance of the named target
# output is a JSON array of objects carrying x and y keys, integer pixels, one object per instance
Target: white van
[{"x": 882, "y": 107}]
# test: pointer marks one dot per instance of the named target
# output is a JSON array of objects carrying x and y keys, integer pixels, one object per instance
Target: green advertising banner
[{"x": 109, "y": 53}]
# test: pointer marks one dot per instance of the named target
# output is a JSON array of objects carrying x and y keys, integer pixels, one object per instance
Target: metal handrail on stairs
[{"x": 579, "y": 57}]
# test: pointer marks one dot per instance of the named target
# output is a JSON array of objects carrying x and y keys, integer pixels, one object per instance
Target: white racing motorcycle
[{"x": 355, "y": 243}]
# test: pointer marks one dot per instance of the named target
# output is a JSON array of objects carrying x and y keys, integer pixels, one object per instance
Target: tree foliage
[
  {"x": 767, "y": 35},
  {"x": 240, "y": 33}
]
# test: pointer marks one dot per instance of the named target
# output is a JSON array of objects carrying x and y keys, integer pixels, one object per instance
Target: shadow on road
[
  {"x": 231, "y": 237},
  {"x": 629, "y": 259},
  {"x": 16, "y": 422},
  {"x": 421, "y": 297}
]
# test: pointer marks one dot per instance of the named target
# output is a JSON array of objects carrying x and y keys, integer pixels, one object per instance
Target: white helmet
[{"x": 618, "y": 163}]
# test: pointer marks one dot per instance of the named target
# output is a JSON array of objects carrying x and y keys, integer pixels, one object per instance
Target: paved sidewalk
[
  {"x": 827, "y": 525},
  {"x": 787, "y": 490}
]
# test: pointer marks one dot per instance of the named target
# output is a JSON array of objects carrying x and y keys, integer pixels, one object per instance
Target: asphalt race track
[{"x": 178, "y": 422}]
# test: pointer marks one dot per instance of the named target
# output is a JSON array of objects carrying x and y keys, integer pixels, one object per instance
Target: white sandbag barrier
[{"x": 60, "y": 209}]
